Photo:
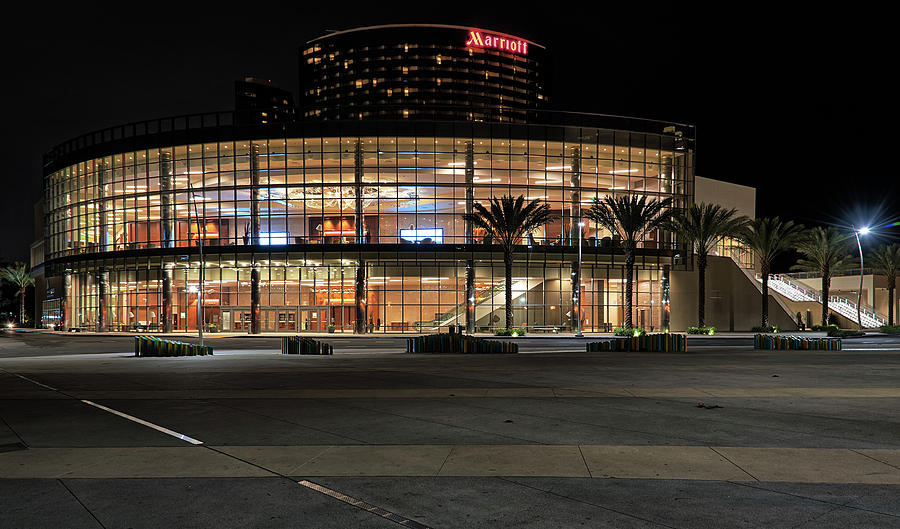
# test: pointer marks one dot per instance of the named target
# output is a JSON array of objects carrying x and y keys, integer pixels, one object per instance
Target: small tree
[
  {"x": 886, "y": 260},
  {"x": 631, "y": 218},
  {"x": 701, "y": 226},
  {"x": 18, "y": 275},
  {"x": 767, "y": 238},
  {"x": 506, "y": 222},
  {"x": 826, "y": 253}
]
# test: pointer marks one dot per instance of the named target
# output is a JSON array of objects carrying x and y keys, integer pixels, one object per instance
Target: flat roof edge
[{"x": 442, "y": 26}]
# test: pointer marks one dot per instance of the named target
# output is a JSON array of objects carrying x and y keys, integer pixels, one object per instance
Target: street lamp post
[
  {"x": 862, "y": 231},
  {"x": 578, "y": 333}
]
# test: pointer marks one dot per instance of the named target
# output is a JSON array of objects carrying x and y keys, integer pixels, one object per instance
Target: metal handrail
[{"x": 844, "y": 306}]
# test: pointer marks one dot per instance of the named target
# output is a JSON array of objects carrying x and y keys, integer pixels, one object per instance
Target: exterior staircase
[
  {"x": 486, "y": 301},
  {"x": 797, "y": 291}
]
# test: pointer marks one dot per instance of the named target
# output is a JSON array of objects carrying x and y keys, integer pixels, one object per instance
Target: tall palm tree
[
  {"x": 701, "y": 226},
  {"x": 826, "y": 253},
  {"x": 631, "y": 218},
  {"x": 767, "y": 238},
  {"x": 17, "y": 274},
  {"x": 507, "y": 221},
  {"x": 887, "y": 261}
]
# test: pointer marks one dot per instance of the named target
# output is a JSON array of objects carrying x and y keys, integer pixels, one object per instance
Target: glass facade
[{"x": 359, "y": 231}]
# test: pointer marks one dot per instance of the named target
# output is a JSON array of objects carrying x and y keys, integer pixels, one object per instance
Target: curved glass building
[{"x": 351, "y": 224}]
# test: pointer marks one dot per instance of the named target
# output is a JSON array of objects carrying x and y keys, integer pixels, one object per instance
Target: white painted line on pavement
[
  {"x": 132, "y": 418},
  {"x": 406, "y": 522},
  {"x": 145, "y": 423}
]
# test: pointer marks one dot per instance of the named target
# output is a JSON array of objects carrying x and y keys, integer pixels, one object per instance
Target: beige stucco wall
[
  {"x": 733, "y": 300},
  {"x": 875, "y": 292},
  {"x": 726, "y": 194}
]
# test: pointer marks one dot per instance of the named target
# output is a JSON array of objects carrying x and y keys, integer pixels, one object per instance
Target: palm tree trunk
[
  {"x": 701, "y": 290},
  {"x": 826, "y": 282},
  {"x": 507, "y": 262},
  {"x": 629, "y": 280},
  {"x": 22, "y": 307},
  {"x": 891, "y": 303},
  {"x": 764, "y": 271}
]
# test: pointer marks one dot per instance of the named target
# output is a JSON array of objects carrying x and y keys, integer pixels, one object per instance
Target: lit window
[
  {"x": 359, "y": 83},
  {"x": 405, "y": 113},
  {"x": 405, "y": 70},
  {"x": 438, "y": 59},
  {"x": 405, "y": 91},
  {"x": 390, "y": 92}
]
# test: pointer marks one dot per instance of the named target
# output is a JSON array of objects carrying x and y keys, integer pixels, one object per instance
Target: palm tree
[
  {"x": 631, "y": 218},
  {"x": 701, "y": 226},
  {"x": 887, "y": 261},
  {"x": 827, "y": 253},
  {"x": 17, "y": 274},
  {"x": 506, "y": 222},
  {"x": 767, "y": 238}
]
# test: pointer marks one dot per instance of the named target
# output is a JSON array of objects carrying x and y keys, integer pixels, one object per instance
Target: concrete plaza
[{"x": 721, "y": 436}]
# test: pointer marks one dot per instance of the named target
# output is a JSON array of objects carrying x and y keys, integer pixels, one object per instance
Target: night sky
[{"x": 798, "y": 104}]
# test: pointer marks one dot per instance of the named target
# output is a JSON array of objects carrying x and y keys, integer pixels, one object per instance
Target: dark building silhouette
[{"x": 258, "y": 101}]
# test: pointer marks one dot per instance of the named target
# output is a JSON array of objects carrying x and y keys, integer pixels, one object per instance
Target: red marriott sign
[{"x": 477, "y": 39}]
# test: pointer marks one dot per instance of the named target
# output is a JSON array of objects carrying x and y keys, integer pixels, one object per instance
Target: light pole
[
  {"x": 201, "y": 235},
  {"x": 862, "y": 231},
  {"x": 578, "y": 333}
]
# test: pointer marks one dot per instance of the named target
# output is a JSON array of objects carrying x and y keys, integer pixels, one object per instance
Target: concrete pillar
[
  {"x": 665, "y": 317},
  {"x": 358, "y": 192},
  {"x": 470, "y": 237},
  {"x": 470, "y": 190},
  {"x": 576, "y": 295},
  {"x": 102, "y": 182},
  {"x": 254, "y": 238},
  {"x": 66, "y": 311},
  {"x": 166, "y": 232},
  {"x": 470, "y": 296},
  {"x": 254, "y": 300},
  {"x": 102, "y": 302},
  {"x": 359, "y": 323},
  {"x": 254, "y": 194},
  {"x": 166, "y": 299},
  {"x": 575, "y": 205}
]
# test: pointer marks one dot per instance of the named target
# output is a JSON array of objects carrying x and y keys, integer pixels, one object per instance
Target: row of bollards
[
  {"x": 152, "y": 346},
  {"x": 457, "y": 343},
  {"x": 663, "y": 342},
  {"x": 301, "y": 345},
  {"x": 774, "y": 342}
]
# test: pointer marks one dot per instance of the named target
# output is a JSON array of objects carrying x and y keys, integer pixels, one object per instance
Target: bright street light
[{"x": 862, "y": 231}]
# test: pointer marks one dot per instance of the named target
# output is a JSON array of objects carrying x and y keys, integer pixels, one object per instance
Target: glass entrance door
[{"x": 313, "y": 319}]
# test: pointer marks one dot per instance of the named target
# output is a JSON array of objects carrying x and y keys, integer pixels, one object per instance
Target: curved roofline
[{"x": 443, "y": 26}]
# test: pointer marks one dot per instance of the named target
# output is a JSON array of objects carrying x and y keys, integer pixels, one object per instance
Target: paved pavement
[{"x": 721, "y": 436}]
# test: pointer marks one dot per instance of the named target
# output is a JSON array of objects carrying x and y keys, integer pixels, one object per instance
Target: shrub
[
  {"x": 890, "y": 329},
  {"x": 824, "y": 328},
  {"x": 509, "y": 332},
  {"x": 767, "y": 328},
  {"x": 709, "y": 331},
  {"x": 621, "y": 331}
]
